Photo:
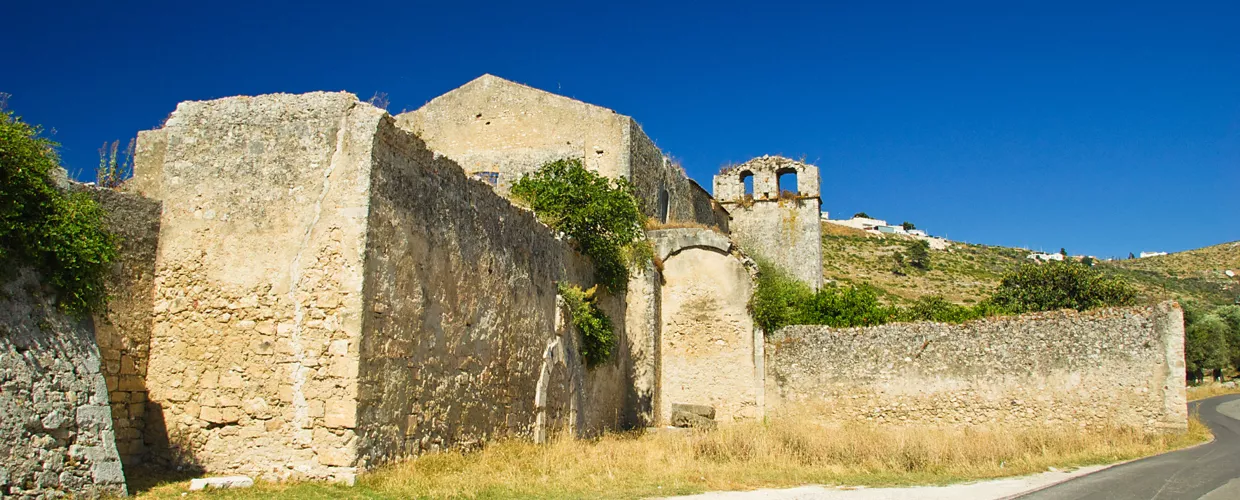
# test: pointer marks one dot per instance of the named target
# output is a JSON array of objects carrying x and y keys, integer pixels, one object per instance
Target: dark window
[{"x": 664, "y": 201}]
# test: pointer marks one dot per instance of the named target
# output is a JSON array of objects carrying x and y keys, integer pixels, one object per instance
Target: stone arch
[{"x": 709, "y": 350}]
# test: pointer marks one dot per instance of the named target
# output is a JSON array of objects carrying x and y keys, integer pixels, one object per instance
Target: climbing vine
[{"x": 597, "y": 336}]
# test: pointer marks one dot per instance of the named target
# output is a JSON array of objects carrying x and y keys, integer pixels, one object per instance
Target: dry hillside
[
  {"x": 1194, "y": 274},
  {"x": 966, "y": 273}
]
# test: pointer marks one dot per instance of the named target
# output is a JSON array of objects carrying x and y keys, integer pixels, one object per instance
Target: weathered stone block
[{"x": 704, "y": 411}]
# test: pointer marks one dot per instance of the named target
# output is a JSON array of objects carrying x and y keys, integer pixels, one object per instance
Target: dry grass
[
  {"x": 778, "y": 454},
  {"x": 1210, "y": 390},
  {"x": 654, "y": 224}
]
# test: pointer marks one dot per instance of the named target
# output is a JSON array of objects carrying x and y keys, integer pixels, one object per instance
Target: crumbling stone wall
[
  {"x": 258, "y": 299},
  {"x": 123, "y": 331},
  {"x": 330, "y": 294},
  {"x": 782, "y": 228},
  {"x": 1120, "y": 366},
  {"x": 460, "y": 302},
  {"x": 56, "y": 425},
  {"x": 709, "y": 348},
  {"x": 494, "y": 125}
]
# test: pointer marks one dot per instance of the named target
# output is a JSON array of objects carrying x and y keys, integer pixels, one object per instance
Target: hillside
[
  {"x": 966, "y": 273},
  {"x": 963, "y": 273},
  {"x": 1194, "y": 274}
]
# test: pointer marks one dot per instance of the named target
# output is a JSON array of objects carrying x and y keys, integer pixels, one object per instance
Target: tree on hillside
[
  {"x": 1063, "y": 252},
  {"x": 1087, "y": 260},
  {"x": 919, "y": 255},
  {"x": 862, "y": 215},
  {"x": 908, "y": 226},
  {"x": 1060, "y": 285}
]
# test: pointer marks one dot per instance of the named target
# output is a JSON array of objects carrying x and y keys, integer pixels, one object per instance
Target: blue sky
[{"x": 1102, "y": 127}]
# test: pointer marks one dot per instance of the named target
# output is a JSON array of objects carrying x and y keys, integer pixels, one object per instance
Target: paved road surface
[{"x": 1209, "y": 472}]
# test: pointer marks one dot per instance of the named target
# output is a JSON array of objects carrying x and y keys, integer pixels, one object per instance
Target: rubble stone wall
[
  {"x": 460, "y": 307},
  {"x": 55, "y": 421},
  {"x": 1122, "y": 366},
  {"x": 123, "y": 331}
]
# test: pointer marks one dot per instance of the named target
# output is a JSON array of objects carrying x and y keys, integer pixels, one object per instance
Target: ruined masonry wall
[
  {"x": 460, "y": 307},
  {"x": 707, "y": 345},
  {"x": 56, "y": 426},
  {"x": 783, "y": 230},
  {"x": 253, "y": 365},
  {"x": 1120, "y": 366},
  {"x": 123, "y": 331},
  {"x": 494, "y": 125},
  {"x": 491, "y": 124}
]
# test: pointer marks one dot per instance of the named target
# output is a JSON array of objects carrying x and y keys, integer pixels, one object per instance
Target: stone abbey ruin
[{"x": 311, "y": 287}]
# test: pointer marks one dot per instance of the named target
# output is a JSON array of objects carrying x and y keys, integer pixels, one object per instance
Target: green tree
[
  {"x": 862, "y": 215},
  {"x": 1060, "y": 285},
  {"x": 601, "y": 215},
  {"x": 919, "y": 254},
  {"x": 898, "y": 264},
  {"x": 1063, "y": 251},
  {"x": 1088, "y": 261},
  {"x": 908, "y": 226},
  {"x": 1205, "y": 344},
  {"x": 58, "y": 233}
]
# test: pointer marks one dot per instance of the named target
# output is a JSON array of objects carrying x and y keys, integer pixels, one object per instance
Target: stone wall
[
  {"x": 123, "y": 331},
  {"x": 460, "y": 307},
  {"x": 782, "y": 229},
  {"x": 330, "y": 294},
  {"x": 709, "y": 348},
  {"x": 56, "y": 425},
  {"x": 258, "y": 283},
  {"x": 494, "y": 125},
  {"x": 1119, "y": 366}
]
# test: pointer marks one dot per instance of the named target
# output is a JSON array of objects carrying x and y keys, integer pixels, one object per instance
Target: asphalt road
[{"x": 1210, "y": 471}]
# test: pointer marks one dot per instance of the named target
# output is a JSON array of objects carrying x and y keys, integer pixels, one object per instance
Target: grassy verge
[
  {"x": 1210, "y": 390},
  {"x": 745, "y": 456}
]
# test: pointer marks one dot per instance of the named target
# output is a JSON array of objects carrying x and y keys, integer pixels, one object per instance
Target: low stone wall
[
  {"x": 1120, "y": 366},
  {"x": 54, "y": 417}
]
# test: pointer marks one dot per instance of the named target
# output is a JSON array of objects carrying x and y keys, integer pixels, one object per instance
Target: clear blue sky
[{"x": 1103, "y": 128}]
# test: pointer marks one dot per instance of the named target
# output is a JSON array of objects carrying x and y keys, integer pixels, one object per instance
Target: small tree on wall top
[{"x": 601, "y": 215}]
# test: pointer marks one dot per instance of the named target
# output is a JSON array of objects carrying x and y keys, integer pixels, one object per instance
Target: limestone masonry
[
  {"x": 309, "y": 287},
  {"x": 1121, "y": 366}
]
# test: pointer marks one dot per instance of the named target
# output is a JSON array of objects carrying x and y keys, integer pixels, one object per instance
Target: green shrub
[
  {"x": 601, "y": 215},
  {"x": 1060, "y": 285},
  {"x": 59, "y": 234},
  {"x": 779, "y": 299},
  {"x": 597, "y": 336}
]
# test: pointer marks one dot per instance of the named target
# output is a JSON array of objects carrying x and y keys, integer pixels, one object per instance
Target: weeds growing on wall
[
  {"x": 597, "y": 335},
  {"x": 114, "y": 169},
  {"x": 599, "y": 214},
  {"x": 58, "y": 233}
]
